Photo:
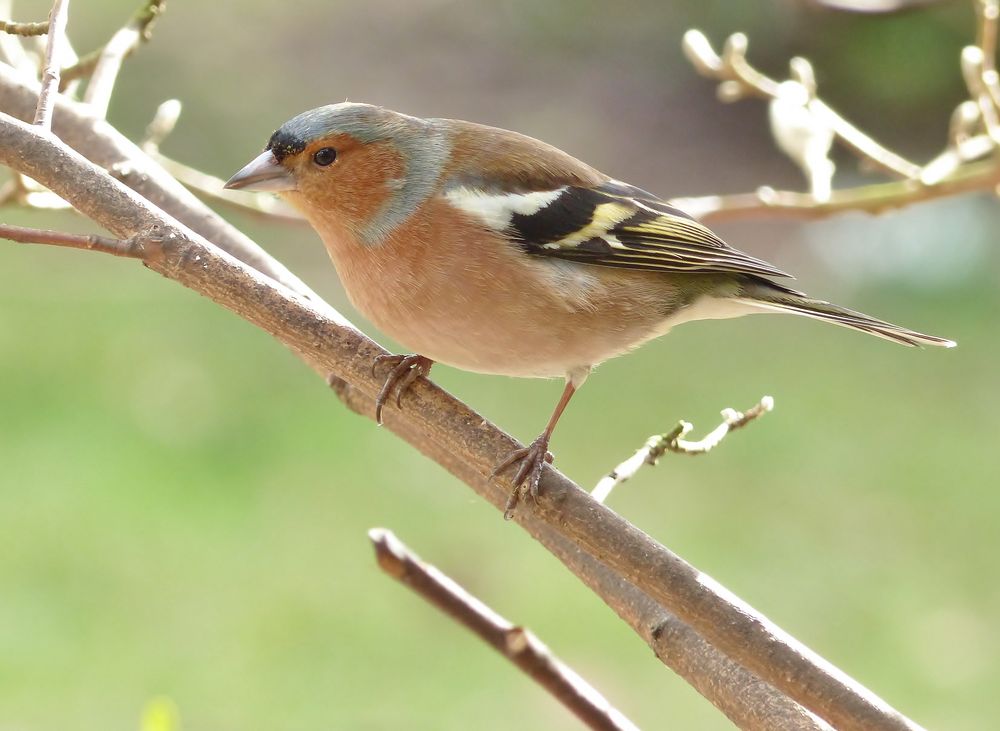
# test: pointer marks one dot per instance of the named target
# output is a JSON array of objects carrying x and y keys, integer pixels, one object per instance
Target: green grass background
[{"x": 185, "y": 505}]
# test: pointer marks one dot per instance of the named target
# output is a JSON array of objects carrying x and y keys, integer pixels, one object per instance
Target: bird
[{"x": 494, "y": 252}]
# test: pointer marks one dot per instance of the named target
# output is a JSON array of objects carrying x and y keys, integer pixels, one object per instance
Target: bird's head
[{"x": 353, "y": 165}]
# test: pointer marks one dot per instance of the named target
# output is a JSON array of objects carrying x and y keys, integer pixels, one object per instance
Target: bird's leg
[
  {"x": 405, "y": 370},
  {"x": 533, "y": 457}
]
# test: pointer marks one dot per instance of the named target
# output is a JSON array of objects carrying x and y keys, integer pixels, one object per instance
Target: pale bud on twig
[
  {"x": 700, "y": 53},
  {"x": 806, "y": 137},
  {"x": 802, "y": 71},
  {"x": 735, "y": 49},
  {"x": 162, "y": 125}
]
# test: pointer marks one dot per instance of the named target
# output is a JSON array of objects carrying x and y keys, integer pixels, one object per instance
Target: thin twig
[
  {"x": 109, "y": 62},
  {"x": 130, "y": 248},
  {"x": 137, "y": 30},
  {"x": 732, "y": 626},
  {"x": 53, "y": 62},
  {"x": 973, "y": 71},
  {"x": 987, "y": 20},
  {"x": 877, "y": 198},
  {"x": 739, "y": 79},
  {"x": 673, "y": 441},
  {"x": 24, "y": 29},
  {"x": 517, "y": 644}
]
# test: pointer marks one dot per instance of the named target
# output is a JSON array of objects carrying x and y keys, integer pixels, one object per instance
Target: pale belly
[{"x": 548, "y": 318}]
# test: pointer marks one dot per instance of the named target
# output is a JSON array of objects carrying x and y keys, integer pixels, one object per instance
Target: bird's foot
[
  {"x": 530, "y": 461},
  {"x": 405, "y": 370}
]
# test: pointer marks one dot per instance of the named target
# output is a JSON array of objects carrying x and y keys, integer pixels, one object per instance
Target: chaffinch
[{"x": 496, "y": 253}]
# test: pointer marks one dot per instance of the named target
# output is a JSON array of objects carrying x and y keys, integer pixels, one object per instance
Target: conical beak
[{"x": 264, "y": 173}]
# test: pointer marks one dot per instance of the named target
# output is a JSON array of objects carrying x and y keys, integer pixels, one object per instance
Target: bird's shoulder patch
[{"x": 613, "y": 224}]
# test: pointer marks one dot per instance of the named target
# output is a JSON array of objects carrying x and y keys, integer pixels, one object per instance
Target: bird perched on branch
[{"x": 494, "y": 252}]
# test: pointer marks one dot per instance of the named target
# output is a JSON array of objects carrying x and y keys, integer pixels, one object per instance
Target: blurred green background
[{"x": 185, "y": 505}]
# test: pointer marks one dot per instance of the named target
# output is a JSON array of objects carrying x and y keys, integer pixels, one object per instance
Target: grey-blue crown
[{"x": 364, "y": 122}]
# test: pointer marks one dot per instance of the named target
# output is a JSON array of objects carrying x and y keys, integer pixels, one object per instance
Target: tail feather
[{"x": 781, "y": 299}]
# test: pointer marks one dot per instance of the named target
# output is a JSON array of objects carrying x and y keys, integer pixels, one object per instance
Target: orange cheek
[{"x": 356, "y": 186}]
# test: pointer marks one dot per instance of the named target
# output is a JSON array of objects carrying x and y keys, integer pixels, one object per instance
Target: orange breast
[{"x": 446, "y": 287}]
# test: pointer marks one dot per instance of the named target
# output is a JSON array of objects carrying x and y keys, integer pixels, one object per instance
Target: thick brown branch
[
  {"x": 517, "y": 644},
  {"x": 53, "y": 57},
  {"x": 748, "y": 701},
  {"x": 306, "y": 328},
  {"x": 103, "y": 145}
]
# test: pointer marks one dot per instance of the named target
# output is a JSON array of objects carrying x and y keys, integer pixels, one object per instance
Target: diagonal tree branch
[
  {"x": 517, "y": 644},
  {"x": 105, "y": 146},
  {"x": 749, "y": 702},
  {"x": 729, "y": 624}
]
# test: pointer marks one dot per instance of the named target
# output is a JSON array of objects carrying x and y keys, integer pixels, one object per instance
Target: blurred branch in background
[
  {"x": 673, "y": 441},
  {"x": 138, "y": 30},
  {"x": 804, "y": 128},
  {"x": 203, "y": 184},
  {"x": 24, "y": 29},
  {"x": 517, "y": 644},
  {"x": 873, "y": 6}
]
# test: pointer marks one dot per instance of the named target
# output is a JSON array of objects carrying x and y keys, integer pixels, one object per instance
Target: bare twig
[
  {"x": 111, "y": 57},
  {"x": 517, "y": 644},
  {"x": 130, "y": 248},
  {"x": 24, "y": 29},
  {"x": 733, "y": 627},
  {"x": 673, "y": 441},
  {"x": 877, "y": 198},
  {"x": 137, "y": 30},
  {"x": 53, "y": 62},
  {"x": 739, "y": 79},
  {"x": 988, "y": 17},
  {"x": 973, "y": 71},
  {"x": 105, "y": 146}
]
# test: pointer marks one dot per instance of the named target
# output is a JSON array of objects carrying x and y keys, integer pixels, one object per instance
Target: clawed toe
[
  {"x": 405, "y": 370},
  {"x": 530, "y": 461}
]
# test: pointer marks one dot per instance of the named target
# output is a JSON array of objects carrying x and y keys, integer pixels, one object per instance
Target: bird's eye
[{"x": 325, "y": 156}]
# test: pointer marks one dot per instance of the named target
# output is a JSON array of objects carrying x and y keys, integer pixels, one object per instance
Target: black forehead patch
[{"x": 285, "y": 142}]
